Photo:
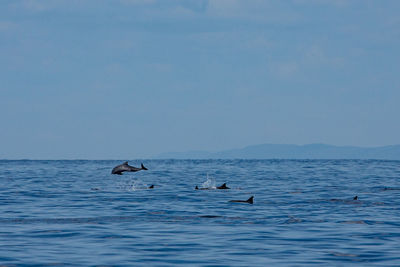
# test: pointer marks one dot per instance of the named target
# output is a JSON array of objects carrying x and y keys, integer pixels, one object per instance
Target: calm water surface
[{"x": 76, "y": 213}]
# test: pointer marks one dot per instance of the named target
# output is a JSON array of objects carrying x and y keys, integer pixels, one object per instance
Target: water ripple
[{"x": 76, "y": 213}]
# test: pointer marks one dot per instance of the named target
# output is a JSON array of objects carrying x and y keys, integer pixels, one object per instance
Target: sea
[{"x": 76, "y": 213}]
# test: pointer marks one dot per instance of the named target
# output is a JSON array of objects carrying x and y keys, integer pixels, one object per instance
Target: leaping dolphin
[
  {"x": 124, "y": 167},
  {"x": 250, "y": 200}
]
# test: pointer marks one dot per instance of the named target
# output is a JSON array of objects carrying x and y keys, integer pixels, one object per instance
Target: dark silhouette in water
[
  {"x": 151, "y": 186},
  {"x": 202, "y": 188},
  {"x": 124, "y": 167},
  {"x": 250, "y": 200},
  {"x": 391, "y": 188},
  {"x": 210, "y": 216},
  {"x": 223, "y": 186},
  {"x": 353, "y": 201}
]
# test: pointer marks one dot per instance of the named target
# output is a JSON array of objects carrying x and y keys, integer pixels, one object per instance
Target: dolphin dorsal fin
[
  {"x": 224, "y": 185},
  {"x": 143, "y": 167},
  {"x": 125, "y": 163},
  {"x": 250, "y": 200}
]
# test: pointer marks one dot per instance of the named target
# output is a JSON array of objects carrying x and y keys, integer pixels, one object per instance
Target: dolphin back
[{"x": 250, "y": 200}]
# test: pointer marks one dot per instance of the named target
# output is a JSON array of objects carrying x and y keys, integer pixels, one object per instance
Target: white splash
[
  {"x": 209, "y": 183},
  {"x": 138, "y": 185},
  {"x": 131, "y": 185}
]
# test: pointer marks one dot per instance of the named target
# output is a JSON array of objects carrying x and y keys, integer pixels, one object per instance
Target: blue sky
[{"x": 121, "y": 79}]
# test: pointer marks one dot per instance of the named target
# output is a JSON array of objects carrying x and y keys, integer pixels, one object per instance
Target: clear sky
[{"x": 127, "y": 79}]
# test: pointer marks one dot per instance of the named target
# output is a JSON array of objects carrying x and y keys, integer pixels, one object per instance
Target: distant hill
[{"x": 312, "y": 151}]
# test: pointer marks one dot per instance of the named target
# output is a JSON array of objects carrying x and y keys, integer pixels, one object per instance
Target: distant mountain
[{"x": 312, "y": 151}]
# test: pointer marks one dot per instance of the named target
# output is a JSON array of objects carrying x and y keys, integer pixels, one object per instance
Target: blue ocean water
[{"x": 76, "y": 213}]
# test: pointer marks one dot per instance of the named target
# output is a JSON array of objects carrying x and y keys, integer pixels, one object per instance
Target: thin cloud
[
  {"x": 256, "y": 10},
  {"x": 138, "y": 2},
  {"x": 6, "y": 26}
]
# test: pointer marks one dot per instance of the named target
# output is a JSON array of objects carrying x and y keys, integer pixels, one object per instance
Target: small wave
[{"x": 340, "y": 254}]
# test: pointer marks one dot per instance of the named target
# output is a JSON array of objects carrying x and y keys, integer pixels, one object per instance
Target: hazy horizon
[
  {"x": 136, "y": 78},
  {"x": 181, "y": 154}
]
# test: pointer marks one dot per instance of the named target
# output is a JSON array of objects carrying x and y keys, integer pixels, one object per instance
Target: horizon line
[{"x": 159, "y": 155}]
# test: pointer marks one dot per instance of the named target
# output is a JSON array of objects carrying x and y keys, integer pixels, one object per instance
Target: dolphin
[
  {"x": 210, "y": 188},
  {"x": 124, "y": 167},
  {"x": 223, "y": 186},
  {"x": 250, "y": 200},
  {"x": 354, "y": 200},
  {"x": 391, "y": 188},
  {"x": 151, "y": 186},
  {"x": 202, "y": 188}
]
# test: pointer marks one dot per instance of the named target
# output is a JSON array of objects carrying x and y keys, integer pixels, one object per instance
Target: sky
[{"x": 129, "y": 79}]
